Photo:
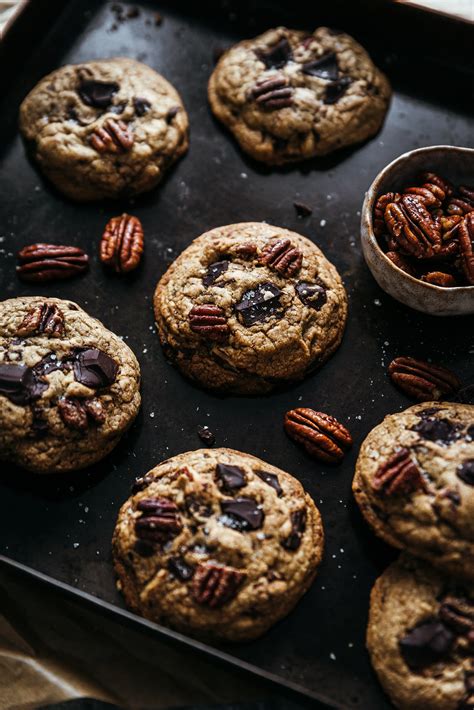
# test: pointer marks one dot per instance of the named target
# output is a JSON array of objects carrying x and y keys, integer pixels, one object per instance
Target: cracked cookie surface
[
  {"x": 69, "y": 388},
  {"x": 289, "y": 95},
  {"x": 249, "y": 306},
  {"x": 414, "y": 483},
  {"x": 420, "y": 637},
  {"x": 217, "y": 543},
  {"x": 104, "y": 129}
]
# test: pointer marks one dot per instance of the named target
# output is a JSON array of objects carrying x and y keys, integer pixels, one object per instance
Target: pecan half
[
  {"x": 247, "y": 250},
  {"x": 459, "y": 205},
  {"x": 209, "y": 321},
  {"x": 430, "y": 194},
  {"x": 121, "y": 246},
  {"x": 458, "y": 614},
  {"x": 398, "y": 475},
  {"x": 79, "y": 413},
  {"x": 422, "y": 380},
  {"x": 45, "y": 318},
  {"x": 113, "y": 137},
  {"x": 159, "y": 519},
  {"x": 273, "y": 93},
  {"x": 379, "y": 211},
  {"x": 440, "y": 278},
  {"x": 411, "y": 226},
  {"x": 440, "y": 182},
  {"x": 400, "y": 261},
  {"x": 466, "y": 238},
  {"x": 214, "y": 585},
  {"x": 320, "y": 434},
  {"x": 280, "y": 255},
  {"x": 50, "y": 262}
]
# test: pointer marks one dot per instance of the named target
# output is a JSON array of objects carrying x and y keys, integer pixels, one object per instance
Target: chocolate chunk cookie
[
  {"x": 288, "y": 95},
  {"x": 217, "y": 543},
  {"x": 421, "y": 637},
  {"x": 69, "y": 388},
  {"x": 248, "y": 306},
  {"x": 414, "y": 483},
  {"x": 107, "y": 128}
]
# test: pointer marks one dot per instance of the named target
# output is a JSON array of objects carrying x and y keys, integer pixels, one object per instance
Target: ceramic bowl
[{"x": 457, "y": 165}]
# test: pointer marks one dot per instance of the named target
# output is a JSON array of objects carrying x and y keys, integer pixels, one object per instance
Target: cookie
[
  {"x": 217, "y": 543},
  {"x": 414, "y": 483},
  {"x": 289, "y": 95},
  {"x": 104, "y": 129},
  {"x": 69, "y": 388},
  {"x": 421, "y": 637},
  {"x": 249, "y": 306}
]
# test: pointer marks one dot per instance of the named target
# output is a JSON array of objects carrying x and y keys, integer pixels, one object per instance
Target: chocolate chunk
[
  {"x": 427, "y": 643},
  {"x": 440, "y": 430},
  {"x": 94, "y": 368},
  {"x": 302, "y": 210},
  {"x": 141, "y": 106},
  {"x": 97, "y": 93},
  {"x": 336, "y": 89},
  {"x": 325, "y": 67},
  {"x": 144, "y": 548},
  {"x": 20, "y": 384},
  {"x": 276, "y": 56},
  {"x": 214, "y": 271},
  {"x": 466, "y": 472},
  {"x": 231, "y": 477},
  {"x": 172, "y": 112},
  {"x": 298, "y": 526},
  {"x": 180, "y": 569},
  {"x": 196, "y": 507},
  {"x": 259, "y": 304},
  {"x": 206, "y": 435},
  {"x": 271, "y": 479},
  {"x": 242, "y": 514},
  {"x": 39, "y": 425},
  {"x": 50, "y": 363},
  {"x": 312, "y": 295}
]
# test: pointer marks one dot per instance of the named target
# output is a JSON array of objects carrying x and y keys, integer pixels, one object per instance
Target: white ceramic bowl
[{"x": 457, "y": 165}]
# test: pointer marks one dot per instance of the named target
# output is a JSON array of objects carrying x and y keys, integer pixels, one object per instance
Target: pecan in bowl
[{"x": 417, "y": 229}]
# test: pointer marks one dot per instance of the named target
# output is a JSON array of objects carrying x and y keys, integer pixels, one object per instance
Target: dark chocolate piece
[
  {"x": 426, "y": 643},
  {"x": 325, "y": 67},
  {"x": 141, "y": 106},
  {"x": 97, "y": 93},
  {"x": 242, "y": 514},
  {"x": 336, "y": 89},
  {"x": 214, "y": 271},
  {"x": 180, "y": 569},
  {"x": 271, "y": 479},
  {"x": 277, "y": 56},
  {"x": 466, "y": 472},
  {"x": 440, "y": 430},
  {"x": 206, "y": 435},
  {"x": 231, "y": 477},
  {"x": 259, "y": 303},
  {"x": 298, "y": 526},
  {"x": 312, "y": 294},
  {"x": 94, "y": 368},
  {"x": 302, "y": 210}
]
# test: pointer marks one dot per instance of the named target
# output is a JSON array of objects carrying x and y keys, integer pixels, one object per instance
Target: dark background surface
[{"x": 62, "y": 526}]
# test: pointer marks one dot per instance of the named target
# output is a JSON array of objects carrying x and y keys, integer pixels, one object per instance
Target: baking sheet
[{"x": 62, "y": 525}]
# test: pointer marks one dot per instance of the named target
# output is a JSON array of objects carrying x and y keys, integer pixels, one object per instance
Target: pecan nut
[
  {"x": 412, "y": 227},
  {"x": 121, "y": 246},
  {"x": 78, "y": 414},
  {"x": 400, "y": 261},
  {"x": 281, "y": 256},
  {"x": 439, "y": 278},
  {"x": 274, "y": 93},
  {"x": 398, "y": 475},
  {"x": 214, "y": 585},
  {"x": 434, "y": 179},
  {"x": 379, "y": 211},
  {"x": 45, "y": 318},
  {"x": 113, "y": 137},
  {"x": 159, "y": 519},
  {"x": 421, "y": 380},
  {"x": 458, "y": 614},
  {"x": 430, "y": 194},
  {"x": 51, "y": 262},
  {"x": 460, "y": 205},
  {"x": 466, "y": 239},
  {"x": 320, "y": 434},
  {"x": 209, "y": 321}
]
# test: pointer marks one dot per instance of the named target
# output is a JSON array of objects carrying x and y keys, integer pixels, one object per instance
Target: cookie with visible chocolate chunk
[
  {"x": 414, "y": 483},
  {"x": 248, "y": 306},
  {"x": 420, "y": 637},
  {"x": 69, "y": 388},
  {"x": 217, "y": 543},
  {"x": 289, "y": 95},
  {"x": 108, "y": 128}
]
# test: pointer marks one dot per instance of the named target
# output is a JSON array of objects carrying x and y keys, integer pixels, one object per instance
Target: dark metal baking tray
[{"x": 62, "y": 527}]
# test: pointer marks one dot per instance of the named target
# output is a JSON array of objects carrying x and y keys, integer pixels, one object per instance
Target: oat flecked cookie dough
[
  {"x": 414, "y": 483},
  {"x": 217, "y": 543},
  {"x": 421, "y": 637},
  {"x": 69, "y": 388},
  {"x": 249, "y": 306},
  {"x": 289, "y": 95},
  {"x": 104, "y": 129}
]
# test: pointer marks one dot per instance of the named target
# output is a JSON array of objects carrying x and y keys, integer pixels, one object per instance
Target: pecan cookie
[
  {"x": 107, "y": 128},
  {"x": 421, "y": 637},
  {"x": 288, "y": 95},
  {"x": 217, "y": 543},
  {"x": 69, "y": 388},
  {"x": 248, "y": 306},
  {"x": 414, "y": 483}
]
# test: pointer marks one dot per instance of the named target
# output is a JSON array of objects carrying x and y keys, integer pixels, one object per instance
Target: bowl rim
[{"x": 367, "y": 215}]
